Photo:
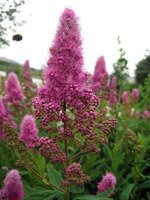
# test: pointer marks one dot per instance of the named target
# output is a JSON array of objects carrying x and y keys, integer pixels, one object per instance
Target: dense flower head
[
  {"x": 99, "y": 72},
  {"x": 51, "y": 150},
  {"x": 2, "y": 118},
  {"x": 26, "y": 73},
  {"x": 146, "y": 114},
  {"x": 29, "y": 131},
  {"x": 14, "y": 93},
  {"x": 125, "y": 97},
  {"x": 66, "y": 60},
  {"x": 135, "y": 94},
  {"x": 74, "y": 174},
  {"x": 13, "y": 188},
  {"x": 2, "y": 109},
  {"x": 108, "y": 181}
]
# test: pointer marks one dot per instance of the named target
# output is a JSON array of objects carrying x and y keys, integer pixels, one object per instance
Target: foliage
[
  {"x": 120, "y": 68},
  {"x": 142, "y": 70}
]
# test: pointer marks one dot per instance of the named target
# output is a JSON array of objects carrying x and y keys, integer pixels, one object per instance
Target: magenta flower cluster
[
  {"x": 13, "y": 90},
  {"x": 99, "y": 73},
  {"x": 29, "y": 131},
  {"x": 26, "y": 73},
  {"x": 113, "y": 94},
  {"x": 5, "y": 117},
  {"x": 125, "y": 97},
  {"x": 13, "y": 187},
  {"x": 108, "y": 181},
  {"x": 51, "y": 150},
  {"x": 135, "y": 94},
  {"x": 65, "y": 106}
]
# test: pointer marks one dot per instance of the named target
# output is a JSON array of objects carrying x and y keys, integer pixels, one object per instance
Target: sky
[{"x": 101, "y": 22}]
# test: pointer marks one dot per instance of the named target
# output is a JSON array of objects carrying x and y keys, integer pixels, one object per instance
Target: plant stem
[
  {"x": 66, "y": 151},
  {"x": 83, "y": 151}
]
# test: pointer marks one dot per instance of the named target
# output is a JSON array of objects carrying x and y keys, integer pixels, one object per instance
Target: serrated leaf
[
  {"x": 54, "y": 176},
  {"x": 91, "y": 197},
  {"x": 125, "y": 195},
  {"x": 146, "y": 184},
  {"x": 44, "y": 195},
  {"x": 106, "y": 193},
  {"x": 77, "y": 189}
]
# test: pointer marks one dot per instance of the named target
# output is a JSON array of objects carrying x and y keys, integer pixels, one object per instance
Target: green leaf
[
  {"x": 125, "y": 195},
  {"x": 106, "y": 193},
  {"x": 44, "y": 195},
  {"x": 77, "y": 189},
  {"x": 54, "y": 176},
  {"x": 146, "y": 184},
  {"x": 91, "y": 197}
]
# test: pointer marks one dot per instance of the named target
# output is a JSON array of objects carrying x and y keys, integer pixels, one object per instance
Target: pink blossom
[
  {"x": 29, "y": 131},
  {"x": 66, "y": 60},
  {"x": 26, "y": 74},
  {"x": 13, "y": 188},
  {"x": 108, "y": 181},
  {"x": 14, "y": 93},
  {"x": 135, "y": 94},
  {"x": 51, "y": 150},
  {"x": 113, "y": 94},
  {"x": 2, "y": 118},
  {"x": 99, "y": 72},
  {"x": 146, "y": 114},
  {"x": 2, "y": 109},
  {"x": 125, "y": 97}
]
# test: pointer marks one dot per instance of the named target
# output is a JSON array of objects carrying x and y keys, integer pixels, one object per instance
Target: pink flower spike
[
  {"x": 125, "y": 97},
  {"x": 14, "y": 93},
  {"x": 108, "y": 181},
  {"x": 26, "y": 73},
  {"x": 29, "y": 131},
  {"x": 99, "y": 72},
  {"x": 135, "y": 94},
  {"x": 13, "y": 187}
]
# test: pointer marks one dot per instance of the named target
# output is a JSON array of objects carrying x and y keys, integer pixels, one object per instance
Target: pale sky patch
[{"x": 101, "y": 21}]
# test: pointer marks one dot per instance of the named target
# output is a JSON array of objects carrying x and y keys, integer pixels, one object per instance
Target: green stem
[
  {"x": 83, "y": 151},
  {"x": 67, "y": 193}
]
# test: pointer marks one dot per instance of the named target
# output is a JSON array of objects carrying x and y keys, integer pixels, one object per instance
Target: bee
[{"x": 17, "y": 37}]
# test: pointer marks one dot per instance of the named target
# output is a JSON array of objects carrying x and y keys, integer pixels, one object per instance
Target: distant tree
[
  {"x": 142, "y": 70},
  {"x": 8, "y": 18}
]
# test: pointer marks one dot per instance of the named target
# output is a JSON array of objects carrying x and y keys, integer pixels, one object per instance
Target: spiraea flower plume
[
  {"x": 108, "y": 181},
  {"x": 29, "y": 131},
  {"x": 66, "y": 108},
  {"x": 13, "y": 187},
  {"x": 13, "y": 90},
  {"x": 113, "y": 94},
  {"x": 135, "y": 95},
  {"x": 99, "y": 73},
  {"x": 26, "y": 74}
]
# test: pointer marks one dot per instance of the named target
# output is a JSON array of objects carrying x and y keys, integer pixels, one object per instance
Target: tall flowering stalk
[
  {"x": 99, "y": 73},
  {"x": 26, "y": 74},
  {"x": 13, "y": 187},
  {"x": 29, "y": 132},
  {"x": 66, "y": 108},
  {"x": 113, "y": 94},
  {"x": 135, "y": 95},
  {"x": 28, "y": 87},
  {"x": 2, "y": 117},
  {"x": 13, "y": 90}
]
